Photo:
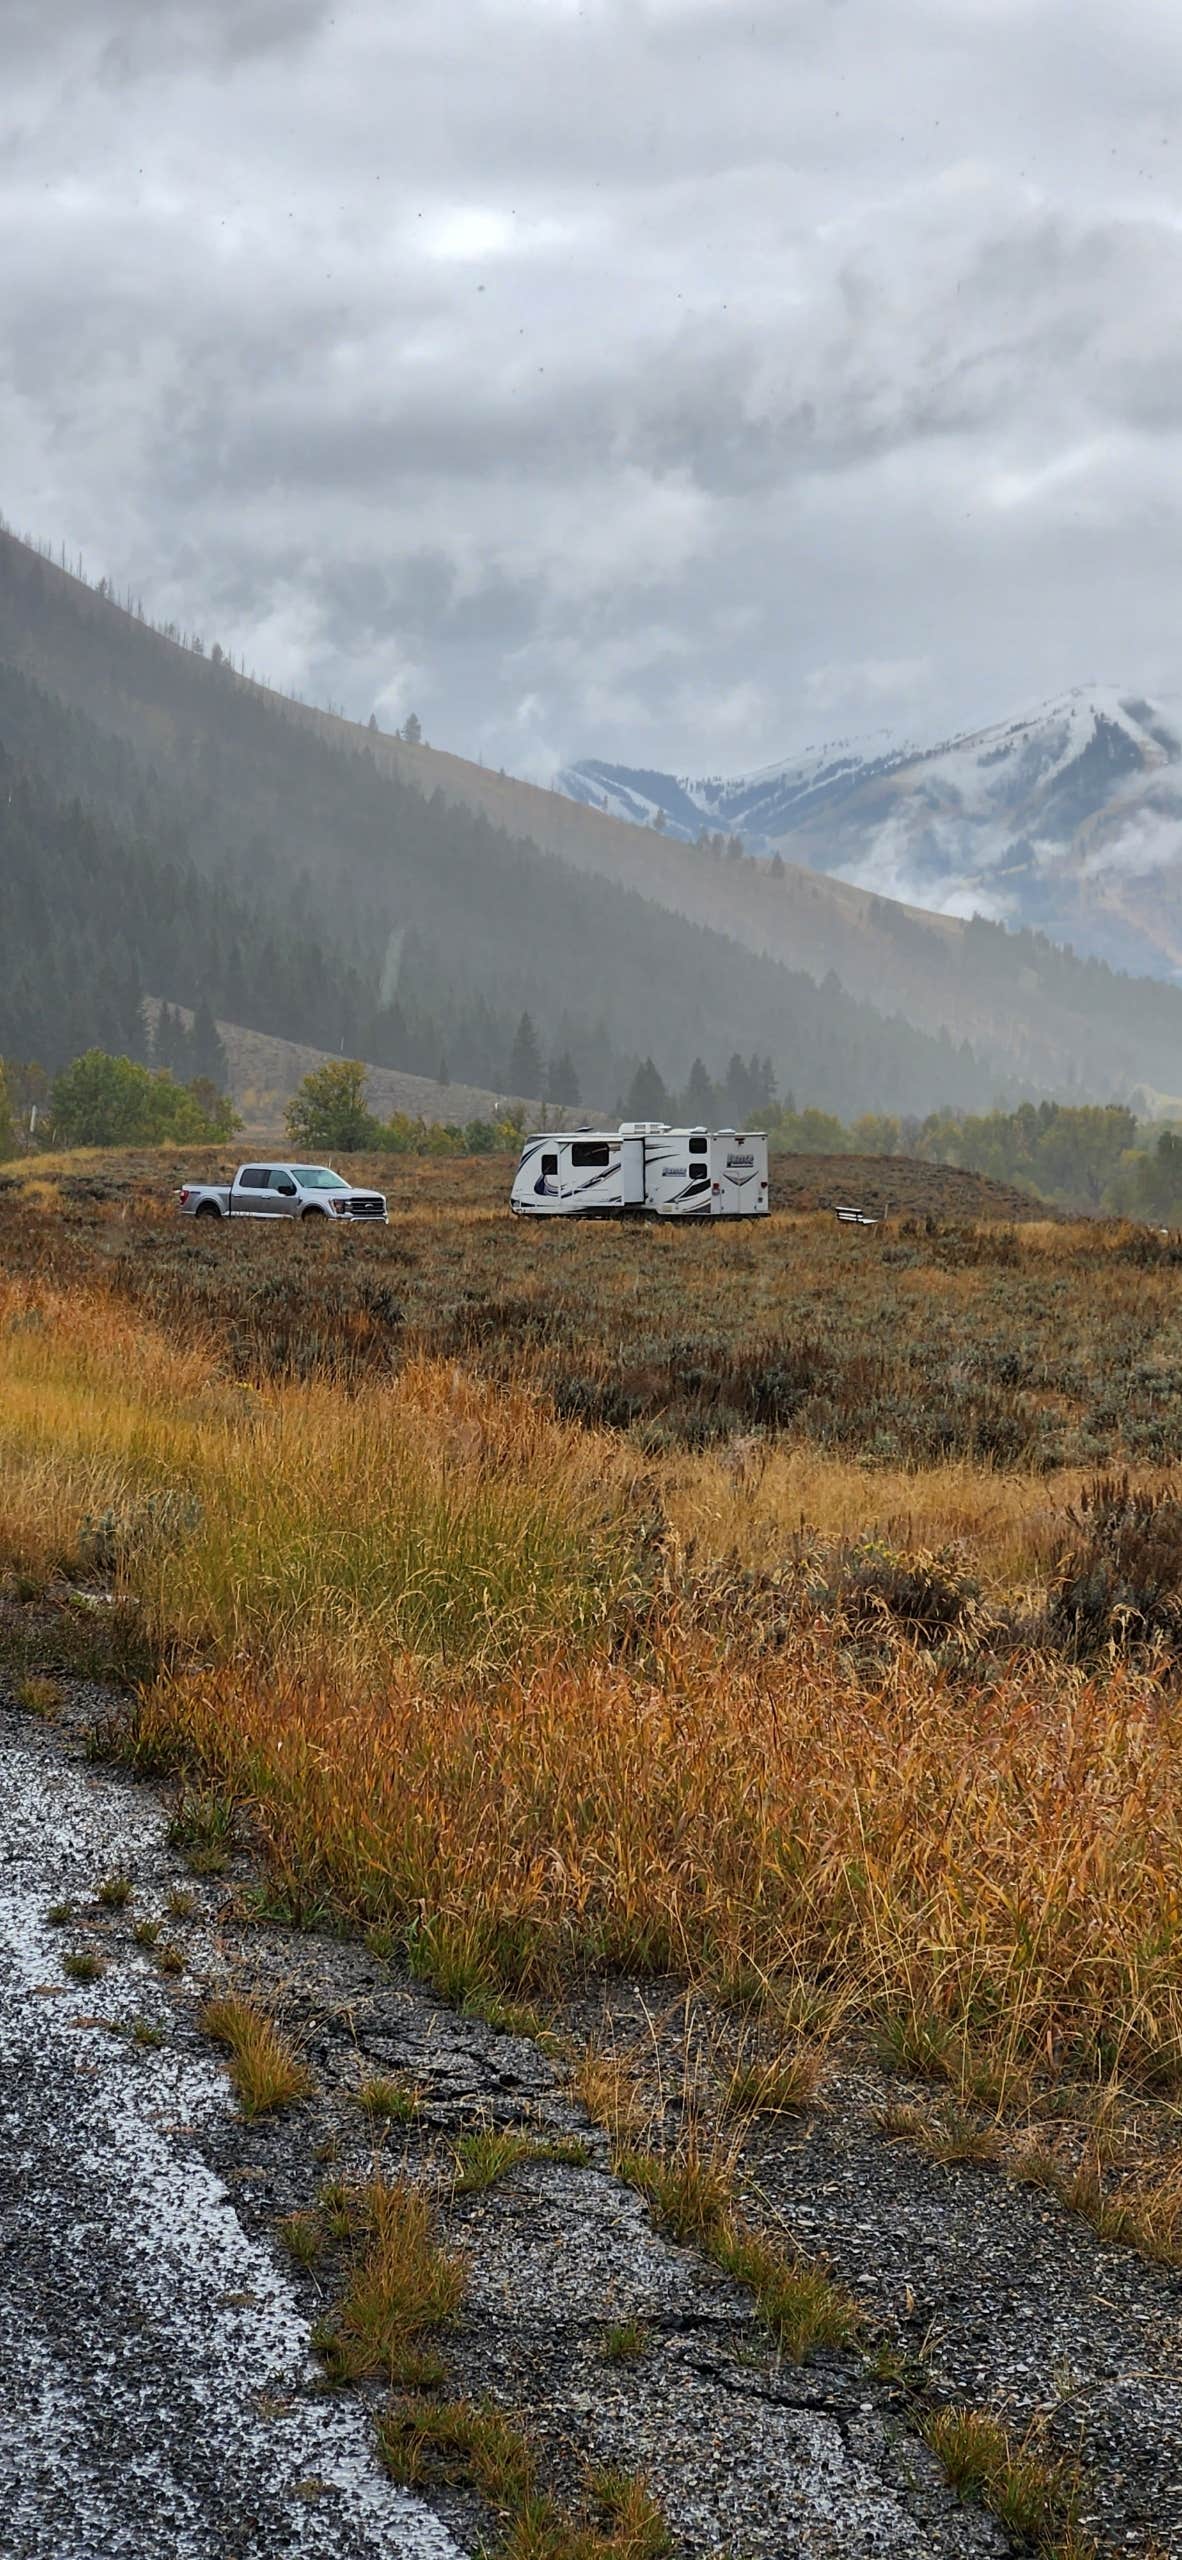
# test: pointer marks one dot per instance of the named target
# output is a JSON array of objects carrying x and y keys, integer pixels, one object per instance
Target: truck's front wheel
[{"x": 312, "y": 1213}]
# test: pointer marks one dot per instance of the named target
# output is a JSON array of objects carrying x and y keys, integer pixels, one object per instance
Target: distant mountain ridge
[{"x": 1066, "y": 818}]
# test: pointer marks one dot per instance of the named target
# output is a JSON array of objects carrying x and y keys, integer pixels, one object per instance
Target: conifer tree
[
  {"x": 562, "y": 1082},
  {"x": 699, "y": 1097},
  {"x": 207, "y": 1054},
  {"x": 647, "y": 1097},
  {"x": 525, "y": 1074}
]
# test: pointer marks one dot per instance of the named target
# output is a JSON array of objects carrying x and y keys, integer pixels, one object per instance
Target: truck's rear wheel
[{"x": 209, "y": 1209}]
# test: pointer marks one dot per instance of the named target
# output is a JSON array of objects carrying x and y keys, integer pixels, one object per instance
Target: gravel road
[{"x": 158, "y": 2392}]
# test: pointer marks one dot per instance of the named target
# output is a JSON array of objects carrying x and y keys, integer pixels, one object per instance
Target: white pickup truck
[{"x": 281, "y": 1191}]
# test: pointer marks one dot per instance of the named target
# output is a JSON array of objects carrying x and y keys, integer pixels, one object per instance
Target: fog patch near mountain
[
  {"x": 953, "y": 875},
  {"x": 889, "y": 867},
  {"x": 1146, "y": 845}
]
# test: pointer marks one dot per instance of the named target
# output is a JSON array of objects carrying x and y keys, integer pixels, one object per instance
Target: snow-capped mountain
[{"x": 1068, "y": 818}]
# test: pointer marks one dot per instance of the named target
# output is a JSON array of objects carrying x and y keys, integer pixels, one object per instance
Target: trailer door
[
  {"x": 738, "y": 1174},
  {"x": 632, "y": 1173}
]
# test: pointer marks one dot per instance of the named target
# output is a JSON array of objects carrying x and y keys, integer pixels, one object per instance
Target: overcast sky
[{"x": 674, "y": 381}]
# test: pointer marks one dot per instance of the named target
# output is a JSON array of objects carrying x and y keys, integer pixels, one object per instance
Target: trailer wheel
[{"x": 209, "y": 1209}]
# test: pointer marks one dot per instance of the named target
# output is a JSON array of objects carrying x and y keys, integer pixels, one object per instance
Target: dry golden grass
[
  {"x": 38, "y": 1696},
  {"x": 610, "y": 2092},
  {"x": 387, "y": 2100},
  {"x": 774, "y": 2085},
  {"x": 1035, "y": 2493},
  {"x": 424, "y": 1643},
  {"x": 747, "y": 1500},
  {"x": 433, "y": 1515},
  {"x": 265, "y": 2071},
  {"x": 986, "y": 1861},
  {"x": 431, "y": 2443},
  {"x": 690, "y": 2191},
  {"x": 947, "y": 2133},
  {"x": 400, "y": 2285}
]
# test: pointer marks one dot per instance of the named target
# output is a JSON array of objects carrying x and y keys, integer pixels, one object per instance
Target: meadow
[
  {"x": 760, "y": 1606},
  {"x": 784, "y": 1621}
]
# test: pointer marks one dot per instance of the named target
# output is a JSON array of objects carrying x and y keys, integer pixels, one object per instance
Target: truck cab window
[{"x": 253, "y": 1177}]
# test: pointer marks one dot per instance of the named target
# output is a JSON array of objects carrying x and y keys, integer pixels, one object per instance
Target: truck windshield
[{"x": 317, "y": 1177}]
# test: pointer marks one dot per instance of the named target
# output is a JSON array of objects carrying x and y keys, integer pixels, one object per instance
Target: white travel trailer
[{"x": 642, "y": 1165}]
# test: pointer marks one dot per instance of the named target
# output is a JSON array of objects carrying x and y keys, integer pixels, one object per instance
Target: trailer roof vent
[{"x": 643, "y": 1128}]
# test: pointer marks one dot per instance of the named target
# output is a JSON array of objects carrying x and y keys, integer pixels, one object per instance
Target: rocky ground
[{"x": 159, "y": 2389}]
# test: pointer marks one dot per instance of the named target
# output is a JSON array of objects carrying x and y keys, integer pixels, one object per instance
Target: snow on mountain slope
[{"x": 1067, "y": 817}]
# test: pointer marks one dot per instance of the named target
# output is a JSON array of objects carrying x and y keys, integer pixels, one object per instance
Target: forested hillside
[
  {"x": 111, "y": 887},
  {"x": 91, "y": 922},
  {"x": 282, "y": 870},
  {"x": 305, "y": 891}
]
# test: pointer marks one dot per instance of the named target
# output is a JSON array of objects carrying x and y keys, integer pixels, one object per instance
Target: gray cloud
[
  {"x": 125, "y": 41},
  {"x": 644, "y": 377}
]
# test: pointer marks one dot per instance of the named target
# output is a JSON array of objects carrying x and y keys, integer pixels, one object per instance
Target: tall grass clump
[
  {"x": 431, "y": 1515},
  {"x": 399, "y": 1646},
  {"x": 992, "y": 1864},
  {"x": 400, "y": 2284},
  {"x": 265, "y": 2071}
]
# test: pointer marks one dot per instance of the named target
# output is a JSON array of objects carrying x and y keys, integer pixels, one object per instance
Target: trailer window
[
  {"x": 698, "y": 1146},
  {"x": 549, "y": 1164},
  {"x": 590, "y": 1151}
]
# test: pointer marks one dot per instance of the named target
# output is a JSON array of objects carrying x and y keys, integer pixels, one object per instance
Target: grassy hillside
[{"x": 264, "y": 1072}]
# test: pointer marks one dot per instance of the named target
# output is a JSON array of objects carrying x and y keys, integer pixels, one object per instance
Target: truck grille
[{"x": 366, "y": 1208}]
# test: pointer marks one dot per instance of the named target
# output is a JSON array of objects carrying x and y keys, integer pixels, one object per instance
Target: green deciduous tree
[
  {"x": 1149, "y": 1184},
  {"x": 103, "y": 1101},
  {"x": 876, "y": 1134},
  {"x": 330, "y": 1109}
]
